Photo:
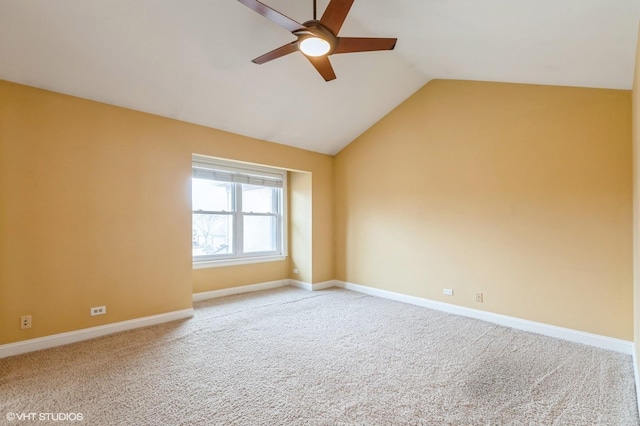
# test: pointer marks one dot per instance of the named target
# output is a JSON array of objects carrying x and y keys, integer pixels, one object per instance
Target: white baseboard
[
  {"x": 214, "y": 294},
  {"x": 596, "y": 340},
  {"x": 603, "y": 342},
  {"x": 325, "y": 284},
  {"x": 300, "y": 284},
  {"x": 60, "y": 339},
  {"x": 314, "y": 287}
]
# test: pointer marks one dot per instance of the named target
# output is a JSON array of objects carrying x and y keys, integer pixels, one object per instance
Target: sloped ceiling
[{"x": 190, "y": 59}]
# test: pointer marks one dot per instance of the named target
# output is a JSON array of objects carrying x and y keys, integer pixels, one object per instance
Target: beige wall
[
  {"x": 95, "y": 210},
  {"x": 520, "y": 192},
  {"x": 322, "y": 249},
  {"x": 300, "y": 243},
  {"x": 636, "y": 200}
]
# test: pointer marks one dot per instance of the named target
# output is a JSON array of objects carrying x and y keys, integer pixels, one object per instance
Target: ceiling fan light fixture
[
  {"x": 314, "y": 46},
  {"x": 318, "y": 39}
]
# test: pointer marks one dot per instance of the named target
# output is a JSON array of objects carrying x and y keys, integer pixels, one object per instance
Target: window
[{"x": 238, "y": 213}]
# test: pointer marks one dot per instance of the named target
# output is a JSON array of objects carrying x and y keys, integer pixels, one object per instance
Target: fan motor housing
[{"x": 315, "y": 29}]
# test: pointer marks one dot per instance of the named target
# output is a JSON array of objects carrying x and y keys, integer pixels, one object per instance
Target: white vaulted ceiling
[{"x": 190, "y": 59}]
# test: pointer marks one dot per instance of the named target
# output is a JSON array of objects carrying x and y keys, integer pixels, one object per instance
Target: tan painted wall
[
  {"x": 219, "y": 278},
  {"x": 300, "y": 213},
  {"x": 521, "y": 192},
  {"x": 95, "y": 210},
  {"x": 322, "y": 221},
  {"x": 636, "y": 200}
]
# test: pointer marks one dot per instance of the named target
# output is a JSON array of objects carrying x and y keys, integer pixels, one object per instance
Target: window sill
[{"x": 241, "y": 261}]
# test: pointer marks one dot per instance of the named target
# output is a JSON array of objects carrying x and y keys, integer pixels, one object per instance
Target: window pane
[
  {"x": 258, "y": 199},
  {"x": 212, "y": 234},
  {"x": 211, "y": 195},
  {"x": 259, "y": 234}
]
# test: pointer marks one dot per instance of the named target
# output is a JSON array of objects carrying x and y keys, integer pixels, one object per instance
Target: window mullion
[
  {"x": 276, "y": 208},
  {"x": 237, "y": 219}
]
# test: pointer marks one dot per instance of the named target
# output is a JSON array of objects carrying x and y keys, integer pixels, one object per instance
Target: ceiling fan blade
[
  {"x": 322, "y": 64},
  {"x": 276, "y": 53},
  {"x": 273, "y": 15},
  {"x": 335, "y": 14},
  {"x": 363, "y": 44}
]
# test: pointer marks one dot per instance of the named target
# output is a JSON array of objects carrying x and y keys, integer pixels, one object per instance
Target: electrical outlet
[
  {"x": 98, "y": 310},
  {"x": 479, "y": 297},
  {"x": 25, "y": 322},
  {"x": 447, "y": 292},
  {"x": 295, "y": 271}
]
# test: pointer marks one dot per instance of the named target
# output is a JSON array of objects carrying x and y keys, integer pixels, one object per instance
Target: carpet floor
[{"x": 289, "y": 356}]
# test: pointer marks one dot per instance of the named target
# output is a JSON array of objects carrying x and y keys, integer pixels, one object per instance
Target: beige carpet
[{"x": 288, "y": 356}]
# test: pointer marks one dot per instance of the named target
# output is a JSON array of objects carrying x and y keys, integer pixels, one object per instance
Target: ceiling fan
[{"x": 318, "y": 39}]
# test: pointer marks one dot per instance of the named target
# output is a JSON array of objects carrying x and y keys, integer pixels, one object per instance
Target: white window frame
[{"x": 238, "y": 257}]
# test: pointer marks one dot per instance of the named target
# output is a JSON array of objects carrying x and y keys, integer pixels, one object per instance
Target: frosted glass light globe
[{"x": 314, "y": 46}]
